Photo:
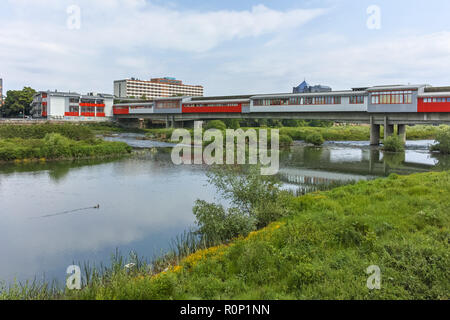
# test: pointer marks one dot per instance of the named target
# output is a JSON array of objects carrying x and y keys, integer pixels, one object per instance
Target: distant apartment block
[
  {"x": 155, "y": 88},
  {"x": 56, "y": 105}
]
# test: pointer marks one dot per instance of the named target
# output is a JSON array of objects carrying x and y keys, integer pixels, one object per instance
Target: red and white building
[{"x": 72, "y": 106}]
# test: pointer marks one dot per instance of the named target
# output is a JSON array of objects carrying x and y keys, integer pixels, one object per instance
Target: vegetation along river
[{"x": 55, "y": 214}]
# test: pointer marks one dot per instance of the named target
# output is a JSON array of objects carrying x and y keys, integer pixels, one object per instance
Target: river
[{"x": 48, "y": 219}]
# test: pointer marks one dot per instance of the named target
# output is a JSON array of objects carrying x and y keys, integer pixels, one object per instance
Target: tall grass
[
  {"x": 38, "y": 131},
  {"x": 54, "y": 141}
]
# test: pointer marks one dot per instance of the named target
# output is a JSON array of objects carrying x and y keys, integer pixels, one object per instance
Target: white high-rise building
[{"x": 155, "y": 88}]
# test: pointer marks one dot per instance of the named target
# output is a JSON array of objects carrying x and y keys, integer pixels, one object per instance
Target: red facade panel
[
  {"x": 71, "y": 114},
  {"x": 423, "y": 106},
  {"x": 121, "y": 110},
  {"x": 212, "y": 109}
]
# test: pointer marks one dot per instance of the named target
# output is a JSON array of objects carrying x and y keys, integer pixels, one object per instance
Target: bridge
[{"x": 386, "y": 106}]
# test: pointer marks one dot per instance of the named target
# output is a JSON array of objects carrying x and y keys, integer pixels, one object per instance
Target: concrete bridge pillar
[
  {"x": 142, "y": 124},
  {"x": 401, "y": 132},
  {"x": 388, "y": 128},
  {"x": 374, "y": 133},
  {"x": 169, "y": 123}
]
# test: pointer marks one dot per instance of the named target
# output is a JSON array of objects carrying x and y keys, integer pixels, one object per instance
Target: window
[
  {"x": 357, "y": 99},
  {"x": 392, "y": 97}
]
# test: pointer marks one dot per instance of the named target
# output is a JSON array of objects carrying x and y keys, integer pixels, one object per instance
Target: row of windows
[
  {"x": 429, "y": 100},
  {"x": 392, "y": 97},
  {"x": 167, "y": 104},
  {"x": 86, "y": 109},
  {"x": 357, "y": 99},
  {"x": 131, "y": 87},
  {"x": 163, "y": 85},
  {"x": 298, "y": 101}
]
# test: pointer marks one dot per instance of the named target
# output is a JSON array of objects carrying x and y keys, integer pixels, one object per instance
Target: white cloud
[
  {"x": 39, "y": 49},
  {"x": 227, "y": 51}
]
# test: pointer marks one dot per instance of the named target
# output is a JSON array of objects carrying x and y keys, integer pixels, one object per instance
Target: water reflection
[{"x": 145, "y": 200}]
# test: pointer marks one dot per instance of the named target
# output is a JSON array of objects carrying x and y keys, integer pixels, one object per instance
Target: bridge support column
[
  {"x": 142, "y": 124},
  {"x": 401, "y": 132},
  {"x": 388, "y": 128},
  {"x": 177, "y": 124},
  {"x": 374, "y": 133}
]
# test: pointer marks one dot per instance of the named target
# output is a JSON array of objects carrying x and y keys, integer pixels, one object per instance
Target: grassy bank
[
  {"x": 338, "y": 133},
  {"x": 54, "y": 142},
  {"x": 357, "y": 133},
  {"x": 321, "y": 250}
]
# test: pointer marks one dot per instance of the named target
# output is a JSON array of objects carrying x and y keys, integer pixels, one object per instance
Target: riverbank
[
  {"x": 336, "y": 133},
  {"x": 321, "y": 250},
  {"x": 54, "y": 142}
]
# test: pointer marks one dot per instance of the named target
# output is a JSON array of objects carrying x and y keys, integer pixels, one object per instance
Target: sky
[{"x": 228, "y": 46}]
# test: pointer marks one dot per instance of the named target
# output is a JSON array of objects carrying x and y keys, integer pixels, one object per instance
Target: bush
[
  {"x": 38, "y": 131},
  {"x": 255, "y": 201},
  {"x": 216, "y": 225},
  {"x": 393, "y": 144},
  {"x": 315, "y": 138},
  {"x": 57, "y": 146},
  {"x": 216, "y": 124},
  {"x": 443, "y": 139},
  {"x": 285, "y": 140},
  {"x": 232, "y": 124}
]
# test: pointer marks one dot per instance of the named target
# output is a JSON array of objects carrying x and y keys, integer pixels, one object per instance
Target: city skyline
[{"x": 227, "y": 47}]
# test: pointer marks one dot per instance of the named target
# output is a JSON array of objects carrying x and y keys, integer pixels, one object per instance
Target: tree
[{"x": 18, "y": 101}]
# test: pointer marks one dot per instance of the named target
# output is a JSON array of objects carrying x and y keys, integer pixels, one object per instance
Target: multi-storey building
[
  {"x": 55, "y": 105},
  {"x": 304, "y": 87},
  {"x": 155, "y": 88}
]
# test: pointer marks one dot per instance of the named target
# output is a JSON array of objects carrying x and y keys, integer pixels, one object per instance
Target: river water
[{"x": 48, "y": 219}]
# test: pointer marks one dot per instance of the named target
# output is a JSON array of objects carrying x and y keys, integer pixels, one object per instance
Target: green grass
[
  {"x": 320, "y": 251},
  {"x": 338, "y": 133},
  {"x": 357, "y": 133},
  {"x": 38, "y": 131},
  {"x": 54, "y": 142}
]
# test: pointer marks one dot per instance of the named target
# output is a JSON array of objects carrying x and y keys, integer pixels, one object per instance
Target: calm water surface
[{"x": 146, "y": 201}]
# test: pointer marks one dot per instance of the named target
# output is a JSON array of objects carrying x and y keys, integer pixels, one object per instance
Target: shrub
[
  {"x": 443, "y": 139},
  {"x": 217, "y": 225},
  {"x": 255, "y": 201},
  {"x": 285, "y": 140},
  {"x": 232, "y": 124},
  {"x": 38, "y": 131},
  {"x": 315, "y": 138},
  {"x": 216, "y": 124},
  {"x": 393, "y": 144}
]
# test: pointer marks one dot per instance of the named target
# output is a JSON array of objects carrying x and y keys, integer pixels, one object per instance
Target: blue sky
[{"x": 229, "y": 47}]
